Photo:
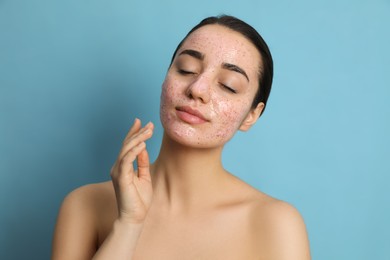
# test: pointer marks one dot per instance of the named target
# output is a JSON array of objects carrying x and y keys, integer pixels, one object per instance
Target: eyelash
[
  {"x": 185, "y": 72},
  {"x": 229, "y": 88}
]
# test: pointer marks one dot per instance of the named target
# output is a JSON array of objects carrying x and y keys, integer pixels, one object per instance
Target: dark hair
[{"x": 235, "y": 24}]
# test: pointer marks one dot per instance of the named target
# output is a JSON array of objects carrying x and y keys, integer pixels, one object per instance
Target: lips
[{"x": 190, "y": 115}]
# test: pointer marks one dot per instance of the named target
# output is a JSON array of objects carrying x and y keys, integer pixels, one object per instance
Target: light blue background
[{"x": 74, "y": 74}]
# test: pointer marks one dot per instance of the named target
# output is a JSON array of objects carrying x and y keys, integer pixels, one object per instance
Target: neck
[{"x": 185, "y": 177}]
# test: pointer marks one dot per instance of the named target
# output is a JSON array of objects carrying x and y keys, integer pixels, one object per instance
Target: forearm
[{"x": 120, "y": 243}]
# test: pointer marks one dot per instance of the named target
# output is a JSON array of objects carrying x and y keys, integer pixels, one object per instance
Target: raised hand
[{"x": 133, "y": 189}]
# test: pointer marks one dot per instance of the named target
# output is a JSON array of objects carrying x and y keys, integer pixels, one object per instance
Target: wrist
[
  {"x": 124, "y": 224},
  {"x": 121, "y": 242}
]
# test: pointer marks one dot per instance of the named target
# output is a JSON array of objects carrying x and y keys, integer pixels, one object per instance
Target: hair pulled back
[{"x": 266, "y": 66}]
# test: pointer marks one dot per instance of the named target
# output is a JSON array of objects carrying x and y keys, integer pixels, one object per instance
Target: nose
[{"x": 200, "y": 89}]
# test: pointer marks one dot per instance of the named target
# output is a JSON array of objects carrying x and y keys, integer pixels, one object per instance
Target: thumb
[{"x": 143, "y": 165}]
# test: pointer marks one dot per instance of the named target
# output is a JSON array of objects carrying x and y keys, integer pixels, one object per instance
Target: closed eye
[
  {"x": 228, "y": 88},
  {"x": 185, "y": 72}
]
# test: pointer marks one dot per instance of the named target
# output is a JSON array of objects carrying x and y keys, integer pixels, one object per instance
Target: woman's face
[{"x": 209, "y": 88}]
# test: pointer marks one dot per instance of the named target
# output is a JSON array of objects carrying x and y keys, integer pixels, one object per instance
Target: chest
[{"x": 203, "y": 237}]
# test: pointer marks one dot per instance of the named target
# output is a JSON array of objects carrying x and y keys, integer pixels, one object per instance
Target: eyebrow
[
  {"x": 198, "y": 55},
  {"x": 235, "y": 68},
  {"x": 193, "y": 53}
]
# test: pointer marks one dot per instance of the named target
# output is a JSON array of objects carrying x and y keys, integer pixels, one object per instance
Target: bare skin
[{"x": 186, "y": 205}]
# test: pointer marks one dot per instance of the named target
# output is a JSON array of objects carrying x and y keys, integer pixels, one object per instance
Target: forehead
[{"x": 220, "y": 44}]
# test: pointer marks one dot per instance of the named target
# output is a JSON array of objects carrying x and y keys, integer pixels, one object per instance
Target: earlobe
[{"x": 252, "y": 117}]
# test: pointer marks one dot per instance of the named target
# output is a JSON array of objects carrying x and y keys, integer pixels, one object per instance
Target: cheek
[
  {"x": 166, "y": 91},
  {"x": 165, "y": 101},
  {"x": 230, "y": 115},
  {"x": 172, "y": 91},
  {"x": 170, "y": 97}
]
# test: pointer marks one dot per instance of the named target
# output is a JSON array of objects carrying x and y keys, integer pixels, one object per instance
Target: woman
[{"x": 186, "y": 205}]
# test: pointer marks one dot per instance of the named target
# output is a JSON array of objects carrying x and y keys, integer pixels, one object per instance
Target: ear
[{"x": 252, "y": 117}]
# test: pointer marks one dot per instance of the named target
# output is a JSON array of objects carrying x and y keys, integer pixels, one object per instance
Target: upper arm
[
  {"x": 75, "y": 233},
  {"x": 286, "y": 233}
]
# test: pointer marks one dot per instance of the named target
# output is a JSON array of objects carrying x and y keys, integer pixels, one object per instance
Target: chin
[
  {"x": 187, "y": 135},
  {"x": 208, "y": 135}
]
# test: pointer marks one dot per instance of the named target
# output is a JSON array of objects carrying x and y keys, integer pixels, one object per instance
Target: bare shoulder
[
  {"x": 96, "y": 192},
  {"x": 89, "y": 199},
  {"x": 280, "y": 228},
  {"x": 77, "y": 228},
  {"x": 90, "y": 191},
  {"x": 276, "y": 228}
]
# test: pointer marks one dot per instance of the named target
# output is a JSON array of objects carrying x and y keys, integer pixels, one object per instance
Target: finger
[
  {"x": 140, "y": 130},
  {"x": 143, "y": 165},
  {"x": 143, "y": 135},
  {"x": 147, "y": 128},
  {"x": 149, "y": 125},
  {"x": 134, "y": 128},
  {"x": 126, "y": 169}
]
